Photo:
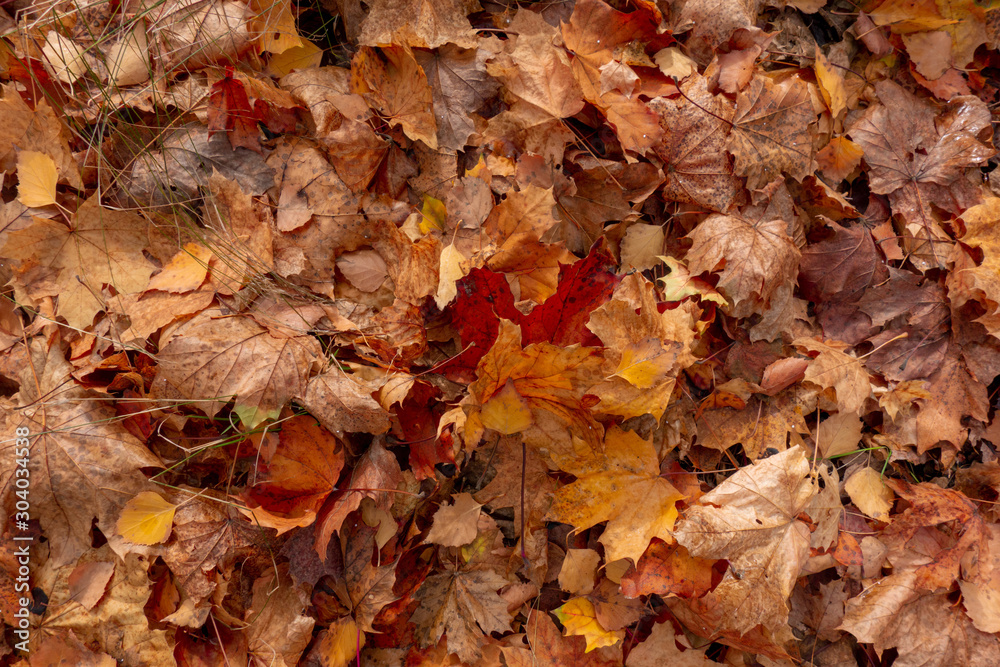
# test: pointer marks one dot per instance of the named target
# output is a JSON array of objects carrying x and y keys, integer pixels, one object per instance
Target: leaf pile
[{"x": 458, "y": 333}]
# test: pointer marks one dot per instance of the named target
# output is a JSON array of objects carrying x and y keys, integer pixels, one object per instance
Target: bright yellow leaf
[
  {"x": 579, "y": 618},
  {"x": 37, "y": 176},
  {"x": 146, "y": 519},
  {"x": 433, "y": 213},
  {"x": 507, "y": 412}
]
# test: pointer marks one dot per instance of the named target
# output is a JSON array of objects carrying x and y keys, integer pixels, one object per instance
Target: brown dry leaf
[
  {"x": 668, "y": 569},
  {"x": 341, "y": 117},
  {"x": 34, "y": 129},
  {"x": 835, "y": 368},
  {"x": 838, "y": 434},
  {"x": 750, "y": 520},
  {"x": 839, "y": 158},
  {"x": 368, "y": 586},
  {"x": 661, "y": 648},
  {"x": 917, "y": 155},
  {"x": 83, "y": 463},
  {"x": 375, "y": 476},
  {"x": 754, "y": 258},
  {"x": 89, "y": 581},
  {"x": 185, "y": 272},
  {"x": 207, "y": 539},
  {"x": 419, "y": 23},
  {"x": 980, "y": 232},
  {"x": 393, "y": 82},
  {"x": 215, "y": 357},
  {"x": 843, "y": 267},
  {"x": 760, "y": 425},
  {"x": 695, "y": 129},
  {"x": 925, "y": 629},
  {"x": 296, "y": 479},
  {"x": 151, "y": 311},
  {"x": 117, "y": 625},
  {"x": 869, "y": 493},
  {"x": 178, "y": 172},
  {"x": 646, "y": 351},
  {"x": 102, "y": 247},
  {"x": 460, "y": 86},
  {"x": 576, "y": 576},
  {"x": 714, "y": 22},
  {"x": 344, "y": 404},
  {"x": 535, "y": 70},
  {"x": 455, "y": 525},
  {"x": 955, "y": 394},
  {"x": 308, "y": 186},
  {"x": 770, "y": 133},
  {"x": 503, "y": 492},
  {"x": 621, "y": 486},
  {"x": 279, "y": 630},
  {"x": 465, "y": 605},
  {"x": 57, "y": 647},
  {"x": 549, "y": 647}
]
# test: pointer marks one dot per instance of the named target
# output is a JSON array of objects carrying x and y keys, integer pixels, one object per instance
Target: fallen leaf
[
  {"x": 465, "y": 605},
  {"x": 749, "y": 519},
  {"x": 146, "y": 519},
  {"x": 36, "y": 179},
  {"x": 623, "y": 487},
  {"x": 455, "y": 525},
  {"x": 577, "y": 617}
]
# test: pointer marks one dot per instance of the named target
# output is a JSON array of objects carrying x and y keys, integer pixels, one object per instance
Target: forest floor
[{"x": 479, "y": 333}]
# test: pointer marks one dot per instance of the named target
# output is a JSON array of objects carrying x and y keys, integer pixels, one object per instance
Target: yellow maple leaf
[
  {"x": 507, "y": 412},
  {"x": 579, "y": 618},
  {"x": 37, "y": 176},
  {"x": 146, "y": 519},
  {"x": 550, "y": 380},
  {"x": 621, "y": 485}
]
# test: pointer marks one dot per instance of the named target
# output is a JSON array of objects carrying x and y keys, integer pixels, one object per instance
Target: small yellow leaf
[
  {"x": 579, "y": 617},
  {"x": 646, "y": 362},
  {"x": 507, "y": 412},
  {"x": 433, "y": 213},
  {"x": 341, "y": 644},
  {"x": 146, "y": 519},
  {"x": 37, "y": 176}
]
